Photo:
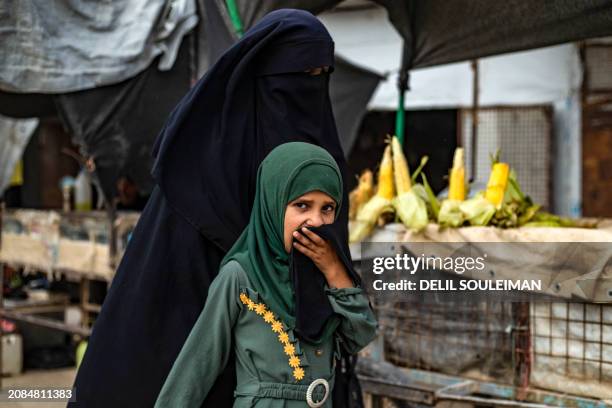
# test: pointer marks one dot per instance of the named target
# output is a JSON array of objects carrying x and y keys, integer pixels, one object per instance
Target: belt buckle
[{"x": 311, "y": 387}]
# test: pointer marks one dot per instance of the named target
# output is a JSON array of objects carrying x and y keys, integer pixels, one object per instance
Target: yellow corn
[
  {"x": 400, "y": 168},
  {"x": 456, "y": 189},
  {"x": 496, "y": 187},
  {"x": 365, "y": 221},
  {"x": 385, "y": 176},
  {"x": 361, "y": 194}
]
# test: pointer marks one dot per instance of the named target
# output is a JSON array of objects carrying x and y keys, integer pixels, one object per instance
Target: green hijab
[{"x": 288, "y": 171}]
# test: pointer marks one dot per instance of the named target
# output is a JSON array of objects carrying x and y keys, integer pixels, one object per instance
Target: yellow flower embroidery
[
  {"x": 277, "y": 326},
  {"x": 294, "y": 362},
  {"x": 298, "y": 373},
  {"x": 289, "y": 349},
  {"x": 283, "y": 337},
  {"x": 269, "y": 317},
  {"x": 260, "y": 309}
]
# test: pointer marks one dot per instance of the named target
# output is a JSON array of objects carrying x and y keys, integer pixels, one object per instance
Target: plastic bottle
[{"x": 82, "y": 191}]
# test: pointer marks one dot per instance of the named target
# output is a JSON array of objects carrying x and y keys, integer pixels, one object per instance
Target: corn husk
[
  {"x": 410, "y": 201},
  {"x": 367, "y": 216},
  {"x": 450, "y": 214},
  {"x": 517, "y": 208},
  {"x": 478, "y": 211},
  {"x": 433, "y": 205},
  {"x": 411, "y": 210},
  {"x": 419, "y": 169},
  {"x": 545, "y": 219}
]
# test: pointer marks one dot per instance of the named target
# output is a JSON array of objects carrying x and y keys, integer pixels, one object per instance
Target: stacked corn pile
[{"x": 399, "y": 197}]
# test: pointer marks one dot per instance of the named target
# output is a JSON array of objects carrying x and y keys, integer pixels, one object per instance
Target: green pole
[
  {"x": 400, "y": 118},
  {"x": 402, "y": 86},
  {"x": 235, "y": 17}
]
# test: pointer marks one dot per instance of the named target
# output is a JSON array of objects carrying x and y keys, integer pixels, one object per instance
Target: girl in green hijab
[{"x": 251, "y": 303}]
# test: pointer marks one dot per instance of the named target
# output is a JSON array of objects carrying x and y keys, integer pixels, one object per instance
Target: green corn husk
[
  {"x": 419, "y": 169},
  {"x": 528, "y": 214},
  {"x": 411, "y": 209},
  {"x": 517, "y": 208},
  {"x": 450, "y": 214},
  {"x": 545, "y": 219},
  {"x": 419, "y": 190},
  {"x": 432, "y": 200},
  {"x": 542, "y": 224},
  {"x": 478, "y": 211},
  {"x": 514, "y": 191},
  {"x": 367, "y": 217}
]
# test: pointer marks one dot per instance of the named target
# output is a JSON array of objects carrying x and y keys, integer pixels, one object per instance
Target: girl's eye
[
  {"x": 301, "y": 206},
  {"x": 329, "y": 208}
]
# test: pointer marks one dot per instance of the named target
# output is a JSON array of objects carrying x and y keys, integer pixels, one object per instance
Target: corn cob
[
  {"x": 496, "y": 187},
  {"x": 385, "y": 176},
  {"x": 400, "y": 168},
  {"x": 379, "y": 203},
  {"x": 361, "y": 194},
  {"x": 410, "y": 207},
  {"x": 456, "y": 189}
]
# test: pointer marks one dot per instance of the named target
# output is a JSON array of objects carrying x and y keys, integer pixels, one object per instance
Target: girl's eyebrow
[{"x": 304, "y": 200}]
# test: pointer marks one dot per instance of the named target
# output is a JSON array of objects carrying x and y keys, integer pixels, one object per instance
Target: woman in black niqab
[{"x": 256, "y": 96}]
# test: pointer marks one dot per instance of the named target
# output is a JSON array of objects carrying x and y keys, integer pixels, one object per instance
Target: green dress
[{"x": 235, "y": 314}]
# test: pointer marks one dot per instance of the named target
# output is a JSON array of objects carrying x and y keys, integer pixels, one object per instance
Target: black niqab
[{"x": 254, "y": 98}]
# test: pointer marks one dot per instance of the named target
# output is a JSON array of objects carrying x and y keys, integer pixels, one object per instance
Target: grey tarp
[
  {"x": 63, "y": 45},
  {"x": 36, "y": 56},
  {"x": 14, "y": 136}
]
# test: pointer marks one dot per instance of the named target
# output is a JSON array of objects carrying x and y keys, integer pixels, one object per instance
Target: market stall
[
  {"x": 563, "y": 346},
  {"x": 79, "y": 247},
  {"x": 555, "y": 335}
]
